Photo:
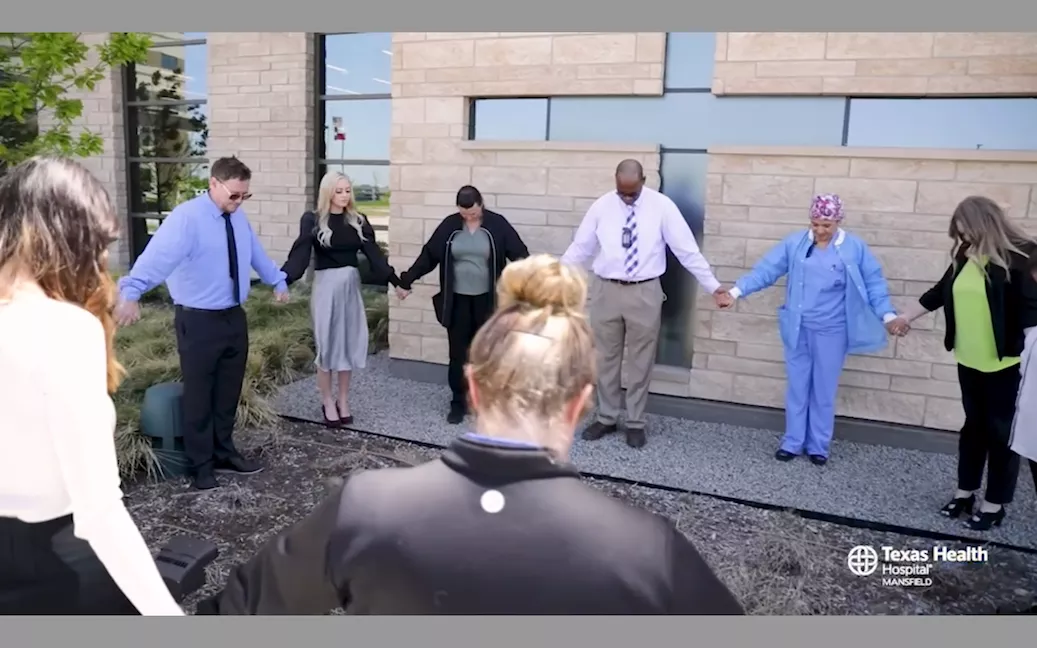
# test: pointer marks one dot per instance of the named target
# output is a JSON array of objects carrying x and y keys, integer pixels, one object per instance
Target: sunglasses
[{"x": 234, "y": 195}]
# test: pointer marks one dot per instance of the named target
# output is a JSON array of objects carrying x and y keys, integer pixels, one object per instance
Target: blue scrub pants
[{"x": 813, "y": 369}]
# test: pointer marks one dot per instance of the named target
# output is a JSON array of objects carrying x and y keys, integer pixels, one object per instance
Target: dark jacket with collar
[
  {"x": 417, "y": 541},
  {"x": 505, "y": 245},
  {"x": 1012, "y": 297}
]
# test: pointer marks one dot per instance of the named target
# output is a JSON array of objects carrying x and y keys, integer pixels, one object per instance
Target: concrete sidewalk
[{"x": 863, "y": 481}]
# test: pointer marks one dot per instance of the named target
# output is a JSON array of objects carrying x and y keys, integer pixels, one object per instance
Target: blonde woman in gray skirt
[{"x": 332, "y": 236}]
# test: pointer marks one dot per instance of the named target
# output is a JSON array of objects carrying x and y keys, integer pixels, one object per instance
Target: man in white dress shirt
[{"x": 626, "y": 233}]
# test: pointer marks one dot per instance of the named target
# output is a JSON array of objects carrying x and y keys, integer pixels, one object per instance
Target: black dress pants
[
  {"x": 213, "y": 347},
  {"x": 468, "y": 314},
  {"x": 46, "y": 570},
  {"x": 989, "y": 403}
]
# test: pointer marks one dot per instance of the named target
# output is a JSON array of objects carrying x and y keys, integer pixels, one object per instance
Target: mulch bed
[{"x": 775, "y": 562}]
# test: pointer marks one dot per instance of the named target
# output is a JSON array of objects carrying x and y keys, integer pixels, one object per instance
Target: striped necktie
[{"x": 631, "y": 226}]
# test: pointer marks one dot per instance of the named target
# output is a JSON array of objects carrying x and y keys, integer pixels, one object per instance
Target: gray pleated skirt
[{"x": 339, "y": 320}]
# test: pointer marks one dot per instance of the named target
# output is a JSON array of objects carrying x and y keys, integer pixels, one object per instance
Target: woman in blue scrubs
[{"x": 837, "y": 303}]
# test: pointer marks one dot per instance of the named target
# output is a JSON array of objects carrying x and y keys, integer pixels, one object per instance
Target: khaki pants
[{"x": 630, "y": 315}]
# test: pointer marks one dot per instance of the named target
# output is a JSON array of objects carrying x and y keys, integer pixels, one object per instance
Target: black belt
[
  {"x": 622, "y": 282},
  {"x": 217, "y": 311}
]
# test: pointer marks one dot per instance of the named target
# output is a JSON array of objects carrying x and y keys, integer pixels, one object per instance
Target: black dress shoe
[
  {"x": 239, "y": 466},
  {"x": 204, "y": 481},
  {"x": 818, "y": 460},
  {"x": 784, "y": 455},
  {"x": 982, "y": 521},
  {"x": 959, "y": 505},
  {"x": 597, "y": 430},
  {"x": 636, "y": 438},
  {"x": 456, "y": 415}
]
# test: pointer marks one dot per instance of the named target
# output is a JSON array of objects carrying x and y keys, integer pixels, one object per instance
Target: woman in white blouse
[{"x": 67, "y": 543}]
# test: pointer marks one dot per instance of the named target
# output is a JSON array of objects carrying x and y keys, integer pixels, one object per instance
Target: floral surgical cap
[{"x": 827, "y": 207}]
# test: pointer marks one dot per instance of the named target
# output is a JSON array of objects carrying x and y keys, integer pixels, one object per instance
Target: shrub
[{"x": 280, "y": 351}]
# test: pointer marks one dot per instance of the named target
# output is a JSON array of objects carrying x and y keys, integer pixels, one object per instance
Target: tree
[
  {"x": 172, "y": 131},
  {"x": 38, "y": 70}
]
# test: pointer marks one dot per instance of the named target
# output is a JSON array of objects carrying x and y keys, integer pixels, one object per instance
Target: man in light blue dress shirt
[{"x": 203, "y": 252}]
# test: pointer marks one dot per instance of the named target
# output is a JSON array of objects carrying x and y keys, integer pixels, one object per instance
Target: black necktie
[{"x": 232, "y": 256}]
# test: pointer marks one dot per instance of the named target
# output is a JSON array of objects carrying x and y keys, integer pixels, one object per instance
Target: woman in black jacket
[
  {"x": 501, "y": 524},
  {"x": 333, "y": 236},
  {"x": 989, "y": 297},
  {"x": 471, "y": 248}
]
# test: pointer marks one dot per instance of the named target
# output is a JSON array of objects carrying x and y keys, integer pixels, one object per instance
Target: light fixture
[{"x": 377, "y": 80}]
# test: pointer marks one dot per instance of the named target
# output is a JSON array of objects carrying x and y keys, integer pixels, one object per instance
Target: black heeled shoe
[
  {"x": 784, "y": 455},
  {"x": 959, "y": 505},
  {"x": 330, "y": 422},
  {"x": 983, "y": 520}
]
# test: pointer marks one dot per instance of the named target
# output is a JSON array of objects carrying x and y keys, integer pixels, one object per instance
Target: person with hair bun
[
  {"x": 68, "y": 546},
  {"x": 500, "y": 523}
]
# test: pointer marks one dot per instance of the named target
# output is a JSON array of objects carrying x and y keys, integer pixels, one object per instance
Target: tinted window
[
  {"x": 1006, "y": 124},
  {"x": 777, "y": 121},
  {"x": 356, "y": 129},
  {"x": 700, "y": 120},
  {"x": 511, "y": 119},
  {"x": 357, "y": 64},
  {"x": 678, "y": 120},
  {"x": 689, "y": 59},
  {"x": 684, "y": 181}
]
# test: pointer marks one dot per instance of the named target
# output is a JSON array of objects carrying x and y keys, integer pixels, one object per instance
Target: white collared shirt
[
  {"x": 57, "y": 430},
  {"x": 659, "y": 225}
]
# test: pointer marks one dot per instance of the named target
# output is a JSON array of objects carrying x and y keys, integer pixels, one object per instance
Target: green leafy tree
[{"x": 38, "y": 71}]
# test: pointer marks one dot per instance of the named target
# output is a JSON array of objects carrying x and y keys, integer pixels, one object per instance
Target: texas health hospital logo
[{"x": 908, "y": 567}]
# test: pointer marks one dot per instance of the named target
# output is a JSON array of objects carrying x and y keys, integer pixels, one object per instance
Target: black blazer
[
  {"x": 344, "y": 251},
  {"x": 1012, "y": 297},
  {"x": 505, "y": 245},
  {"x": 416, "y": 541}
]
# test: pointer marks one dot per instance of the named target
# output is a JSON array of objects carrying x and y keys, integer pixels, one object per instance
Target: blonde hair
[
  {"x": 56, "y": 223},
  {"x": 324, "y": 194},
  {"x": 991, "y": 237},
  {"x": 536, "y": 352}
]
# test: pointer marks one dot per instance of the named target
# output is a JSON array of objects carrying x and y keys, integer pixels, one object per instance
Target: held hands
[
  {"x": 401, "y": 293},
  {"x": 723, "y": 298},
  {"x": 126, "y": 312},
  {"x": 282, "y": 297},
  {"x": 898, "y": 326}
]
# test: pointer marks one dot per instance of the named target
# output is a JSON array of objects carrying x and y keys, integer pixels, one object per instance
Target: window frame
[
  {"x": 138, "y": 221},
  {"x": 320, "y": 102}
]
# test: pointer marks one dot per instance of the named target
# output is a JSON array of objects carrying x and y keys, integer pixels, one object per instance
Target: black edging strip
[{"x": 830, "y": 518}]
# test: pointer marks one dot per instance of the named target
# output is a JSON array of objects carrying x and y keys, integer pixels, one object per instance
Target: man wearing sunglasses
[
  {"x": 626, "y": 233},
  {"x": 204, "y": 251}
]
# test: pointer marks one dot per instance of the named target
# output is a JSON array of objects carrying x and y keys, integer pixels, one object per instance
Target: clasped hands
[
  {"x": 898, "y": 326},
  {"x": 722, "y": 297}
]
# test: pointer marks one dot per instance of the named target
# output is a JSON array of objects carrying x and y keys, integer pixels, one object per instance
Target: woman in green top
[{"x": 988, "y": 298}]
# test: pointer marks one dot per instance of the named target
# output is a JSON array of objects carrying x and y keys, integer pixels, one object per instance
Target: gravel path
[
  {"x": 776, "y": 563},
  {"x": 869, "y": 482}
]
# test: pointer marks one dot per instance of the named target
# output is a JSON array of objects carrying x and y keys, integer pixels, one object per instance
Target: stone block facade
[
  {"x": 876, "y": 63},
  {"x": 261, "y": 98},
  {"x": 543, "y": 187},
  {"x": 103, "y": 114},
  {"x": 261, "y": 107},
  {"x": 899, "y": 201}
]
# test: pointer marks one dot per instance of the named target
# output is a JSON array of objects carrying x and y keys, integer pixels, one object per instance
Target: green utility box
[{"x": 161, "y": 420}]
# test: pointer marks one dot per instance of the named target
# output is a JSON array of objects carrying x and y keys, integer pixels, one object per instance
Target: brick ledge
[
  {"x": 888, "y": 153},
  {"x": 596, "y": 147}
]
